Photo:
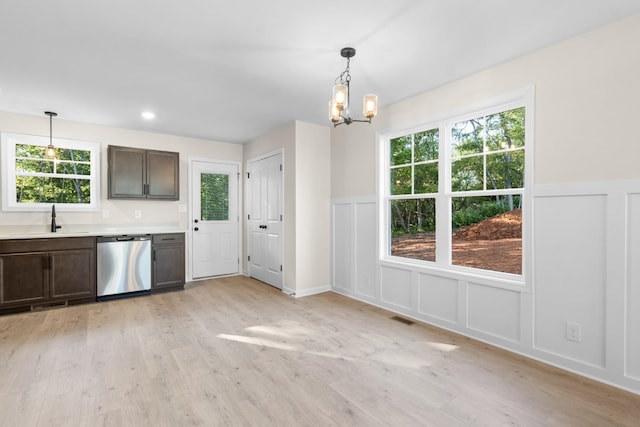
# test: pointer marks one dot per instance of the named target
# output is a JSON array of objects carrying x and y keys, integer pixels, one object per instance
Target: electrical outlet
[
  {"x": 137, "y": 214},
  {"x": 573, "y": 332},
  {"x": 182, "y": 208}
]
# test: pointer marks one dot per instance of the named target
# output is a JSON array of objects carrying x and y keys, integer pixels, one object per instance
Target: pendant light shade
[
  {"x": 340, "y": 93},
  {"x": 370, "y": 106},
  {"x": 50, "y": 151}
]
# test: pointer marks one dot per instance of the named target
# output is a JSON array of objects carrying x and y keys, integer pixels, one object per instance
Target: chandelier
[{"x": 339, "y": 106}]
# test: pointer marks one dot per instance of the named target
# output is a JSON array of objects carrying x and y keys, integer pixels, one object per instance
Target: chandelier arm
[{"x": 347, "y": 122}]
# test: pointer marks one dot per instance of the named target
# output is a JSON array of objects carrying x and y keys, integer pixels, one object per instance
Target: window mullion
[
  {"x": 484, "y": 153},
  {"x": 443, "y": 203},
  {"x": 413, "y": 163}
]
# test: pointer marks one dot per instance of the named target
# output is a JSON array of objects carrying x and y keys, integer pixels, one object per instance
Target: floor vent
[{"x": 402, "y": 320}]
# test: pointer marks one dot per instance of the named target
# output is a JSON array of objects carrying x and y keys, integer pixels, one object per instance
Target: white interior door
[
  {"x": 215, "y": 220},
  {"x": 265, "y": 220}
]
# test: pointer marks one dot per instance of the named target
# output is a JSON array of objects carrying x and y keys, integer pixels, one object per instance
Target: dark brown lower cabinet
[
  {"x": 72, "y": 273},
  {"x": 24, "y": 278},
  {"x": 168, "y": 261},
  {"x": 41, "y": 272}
]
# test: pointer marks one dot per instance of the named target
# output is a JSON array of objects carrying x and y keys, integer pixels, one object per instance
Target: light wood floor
[{"x": 234, "y": 351}]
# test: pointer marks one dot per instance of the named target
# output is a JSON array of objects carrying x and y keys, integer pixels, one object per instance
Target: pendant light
[
  {"x": 50, "y": 152},
  {"x": 339, "y": 106}
]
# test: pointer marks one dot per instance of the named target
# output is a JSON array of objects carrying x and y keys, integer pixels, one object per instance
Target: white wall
[
  {"x": 353, "y": 160},
  {"x": 120, "y": 211},
  {"x": 586, "y": 201},
  {"x": 282, "y": 138},
  {"x": 306, "y": 169},
  {"x": 313, "y": 201}
]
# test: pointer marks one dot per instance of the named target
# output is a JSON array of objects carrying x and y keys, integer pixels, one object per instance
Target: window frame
[
  {"x": 9, "y": 175},
  {"x": 444, "y": 122}
]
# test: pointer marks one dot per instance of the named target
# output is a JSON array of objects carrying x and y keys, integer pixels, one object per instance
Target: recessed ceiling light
[{"x": 148, "y": 115}]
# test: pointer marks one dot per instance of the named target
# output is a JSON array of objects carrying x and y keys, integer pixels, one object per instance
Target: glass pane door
[{"x": 214, "y": 197}]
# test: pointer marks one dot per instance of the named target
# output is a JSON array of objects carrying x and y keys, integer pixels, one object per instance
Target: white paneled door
[
  {"x": 265, "y": 219},
  {"x": 215, "y": 219}
]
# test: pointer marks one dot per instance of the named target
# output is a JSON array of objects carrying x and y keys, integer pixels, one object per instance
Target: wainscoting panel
[
  {"x": 341, "y": 251},
  {"x": 365, "y": 249},
  {"x": 570, "y": 276},
  {"x": 494, "y": 311},
  {"x": 632, "y": 368},
  {"x": 438, "y": 297},
  {"x": 395, "y": 284}
]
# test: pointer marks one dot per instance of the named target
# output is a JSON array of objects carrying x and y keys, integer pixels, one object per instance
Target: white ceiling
[{"x": 230, "y": 71}]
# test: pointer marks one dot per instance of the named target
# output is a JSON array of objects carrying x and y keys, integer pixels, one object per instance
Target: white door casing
[
  {"x": 264, "y": 219},
  {"x": 215, "y": 221}
]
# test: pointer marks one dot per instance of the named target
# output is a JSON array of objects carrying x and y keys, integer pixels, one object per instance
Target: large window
[
  {"x": 34, "y": 182},
  {"x": 454, "y": 191},
  {"x": 413, "y": 181}
]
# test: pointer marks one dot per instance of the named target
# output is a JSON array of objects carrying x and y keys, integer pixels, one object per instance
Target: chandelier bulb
[{"x": 334, "y": 112}]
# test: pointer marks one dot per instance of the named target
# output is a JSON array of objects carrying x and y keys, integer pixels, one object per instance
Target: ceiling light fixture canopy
[
  {"x": 339, "y": 106},
  {"x": 50, "y": 152}
]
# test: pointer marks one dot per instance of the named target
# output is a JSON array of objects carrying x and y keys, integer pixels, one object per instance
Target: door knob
[
  {"x": 195, "y": 220},
  {"x": 195, "y": 229}
]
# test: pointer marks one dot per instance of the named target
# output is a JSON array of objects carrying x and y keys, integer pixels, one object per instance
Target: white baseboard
[{"x": 309, "y": 292}]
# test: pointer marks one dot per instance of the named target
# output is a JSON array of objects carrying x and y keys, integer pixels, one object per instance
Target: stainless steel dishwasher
[{"x": 124, "y": 265}]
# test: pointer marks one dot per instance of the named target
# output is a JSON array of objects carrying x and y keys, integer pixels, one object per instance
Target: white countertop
[{"x": 38, "y": 232}]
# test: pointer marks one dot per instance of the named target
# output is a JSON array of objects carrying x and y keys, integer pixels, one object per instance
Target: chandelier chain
[{"x": 345, "y": 76}]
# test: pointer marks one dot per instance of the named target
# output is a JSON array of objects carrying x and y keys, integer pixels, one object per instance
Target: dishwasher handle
[{"x": 124, "y": 238}]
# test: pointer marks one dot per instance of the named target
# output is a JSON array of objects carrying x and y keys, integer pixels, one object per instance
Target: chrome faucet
[{"x": 54, "y": 227}]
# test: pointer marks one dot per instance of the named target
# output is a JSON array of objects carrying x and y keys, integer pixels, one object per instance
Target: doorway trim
[{"x": 192, "y": 159}]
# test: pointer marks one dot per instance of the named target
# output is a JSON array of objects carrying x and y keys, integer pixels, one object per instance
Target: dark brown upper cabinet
[{"x": 135, "y": 173}]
